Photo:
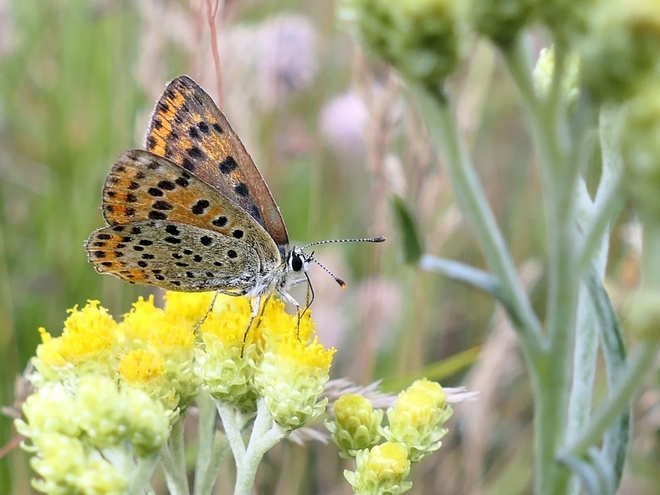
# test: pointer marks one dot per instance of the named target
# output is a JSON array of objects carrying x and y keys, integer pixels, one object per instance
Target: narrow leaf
[{"x": 411, "y": 240}]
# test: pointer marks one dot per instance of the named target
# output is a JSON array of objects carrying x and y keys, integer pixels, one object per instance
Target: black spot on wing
[
  {"x": 228, "y": 165},
  {"x": 242, "y": 189}
]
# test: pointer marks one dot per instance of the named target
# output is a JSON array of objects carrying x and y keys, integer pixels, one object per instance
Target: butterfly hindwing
[
  {"x": 188, "y": 128},
  {"x": 174, "y": 256}
]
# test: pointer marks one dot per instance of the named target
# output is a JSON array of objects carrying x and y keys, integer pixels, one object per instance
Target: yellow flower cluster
[
  {"x": 381, "y": 470},
  {"x": 277, "y": 360},
  {"x": 415, "y": 428},
  {"x": 151, "y": 349},
  {"x": 74, "y": 431},
  {"x": 107, "y": 393}
]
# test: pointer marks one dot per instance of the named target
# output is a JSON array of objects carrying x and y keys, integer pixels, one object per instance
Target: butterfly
[{"x": 193, "y": 213}]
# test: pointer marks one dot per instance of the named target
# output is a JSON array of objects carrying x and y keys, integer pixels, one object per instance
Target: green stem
[
  {"x": 597, "y": 217},
  {"x": 233, "y": 423},
  {"x": 609, "y": 207},
  {"x": 608, "y": 202},
  {"x": 584, "y": 365},
  {"x": 142, "y": 474},
  {"x": 616, "y": 439},
  {"x": 209, "y": 457},
  {"x": 265, "y": 434},
  {"x": 173, "y": 460},
  {"x": 470, "y": 195},
  {"x": 558, "y": 172}
]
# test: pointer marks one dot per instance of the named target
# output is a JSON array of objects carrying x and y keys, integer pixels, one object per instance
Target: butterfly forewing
[
  {"x": 171, "y": 229},
  {"x": 175, "y": 256},
  {"x": 143, "y": 186},
  {"x": 188, "y": 128}
]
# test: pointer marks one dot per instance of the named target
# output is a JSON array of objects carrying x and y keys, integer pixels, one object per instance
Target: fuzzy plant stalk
[{"x": 594, "y": 87}]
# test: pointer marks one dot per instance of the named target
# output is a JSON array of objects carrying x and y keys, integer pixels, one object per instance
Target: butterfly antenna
[
  {"x": 332, "y": 241},
  {"x": 341, "y": 283}
]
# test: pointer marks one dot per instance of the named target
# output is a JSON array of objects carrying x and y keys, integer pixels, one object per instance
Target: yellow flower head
[
  {"x": 50, "y": 409},
  {"x": 388, "y": 461},
  {"x": 100, "y": 411},
  {"x": 356, "y": 425},
  {"x": 642, "y": 313},
  {"x": 226, "y": 362},
  {"x": 65, "y": 467},
  {"x": 620, "y": 53},
  {"x": 290, "y": 377},
  {"x": 88, "y": 342},
  {"x": 141, "y": 366},
  {"x": 422, "y": 39},
  {"x": 640, "y": 145},
  {"x": 276, "y": 324},
  {"x": 223, "y": 363},
  {"x": 164, "y": 330},
  {"x": 381, "y": 470},
  {"x": 160, "y": 344},
  {"x": 501, "y": 20},
  {"x": 139, "y": 322},
  {"x": 228, "y": 322},
  {"x": 189, "y": 306},
  {"x": 148, "y": 421},
  {"x": 417, "y": 418}
]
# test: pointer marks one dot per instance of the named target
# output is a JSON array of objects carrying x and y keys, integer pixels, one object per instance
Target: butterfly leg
[
  {"x": 309, "y": 298},
  {"x": 208, "y": 311},
  {"x": 210, "y": 308},
  {"x": 255, "y": 304},
  {"x": 289, "y": 298}
]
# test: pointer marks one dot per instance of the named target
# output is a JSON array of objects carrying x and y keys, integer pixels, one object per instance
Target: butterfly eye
[{"x": 296, "y": 262}]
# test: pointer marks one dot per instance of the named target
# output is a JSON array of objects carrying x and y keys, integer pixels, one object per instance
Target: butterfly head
[{"x": 298, "y": 260}]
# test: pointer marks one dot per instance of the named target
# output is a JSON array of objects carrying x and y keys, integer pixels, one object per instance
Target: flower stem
[
  {"x": 211, "y": 452},
  {"x": 608, "y": 202},
  {"x": 556, "y": 151},
  {"x": 470, "y": 195},
  {"x": 265, "y": 434},
  {"x": 174, "y": 463},
  {"x": 142, "y": 474},
  {"x": 232, "y": 420}
]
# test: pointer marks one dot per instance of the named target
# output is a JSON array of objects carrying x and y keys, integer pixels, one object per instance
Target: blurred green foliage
[{"x": 74, "y": 96}]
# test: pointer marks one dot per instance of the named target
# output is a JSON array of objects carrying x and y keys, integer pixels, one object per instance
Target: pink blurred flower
[
  {"x": 343, "y": 124},
  {"x": 287, "y": 57}
]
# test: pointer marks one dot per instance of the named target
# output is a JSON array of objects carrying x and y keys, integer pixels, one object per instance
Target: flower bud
[
  {"x": 501, "y": 20},
  {"x": 641, "y": 153},
  {"x": 417, "y": 418},
  {"x": 356, "y": 424},
  {"x": 621, "y": 51},
  {"x": 544, "y": 72},
  {"x": 422, "y": 39},
  {"x": 381, "y": 470}
]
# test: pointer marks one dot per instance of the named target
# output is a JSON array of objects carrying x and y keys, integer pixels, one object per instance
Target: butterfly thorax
[{"x": 289, "y": 273}]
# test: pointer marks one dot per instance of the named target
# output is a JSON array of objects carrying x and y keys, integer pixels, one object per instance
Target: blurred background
[{"x": 335, "y": 138}]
